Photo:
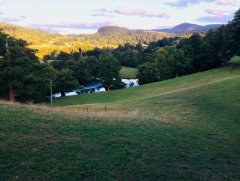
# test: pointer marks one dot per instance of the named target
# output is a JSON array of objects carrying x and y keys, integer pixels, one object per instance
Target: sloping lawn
[{"x": 128, "y": 73}]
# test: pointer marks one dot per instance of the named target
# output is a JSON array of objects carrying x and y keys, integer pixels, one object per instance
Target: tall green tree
[
  {"x": 235, "y": 33},
  {"x": 81, "y": 72},
  {"x": 171, "y": 62},
  {"x": 64, "y": 82},
  {"x": 109, "y": 68},
  {"x": 147, "y": 73},
  {"x": 215, "y": 41},
  {"x": 199, "y": 52},
  {"x": 22, "y": 75}
]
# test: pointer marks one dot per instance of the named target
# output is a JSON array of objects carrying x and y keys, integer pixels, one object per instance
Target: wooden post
[
  {"x": 51, "y": 97},
  {"x": 105, "y": 108}
]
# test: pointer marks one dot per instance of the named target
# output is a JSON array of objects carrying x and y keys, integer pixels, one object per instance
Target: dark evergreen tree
[
  {"x": 147, "y": 73},
  {"x": 235, "y": 33},
  {"x": 22, "y": 76},
  {"x": 109, "y": 68},
  {"x": 65, "y": 82}
]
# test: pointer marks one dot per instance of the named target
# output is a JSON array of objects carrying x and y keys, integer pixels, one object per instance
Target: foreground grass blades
[{"x": 54, "y": 146}]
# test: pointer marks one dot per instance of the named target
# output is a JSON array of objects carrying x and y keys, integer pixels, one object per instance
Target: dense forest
[{"x": 24, "y": 78}]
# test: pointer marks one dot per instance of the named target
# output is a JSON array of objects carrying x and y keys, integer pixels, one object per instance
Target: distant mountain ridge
[
  {"x": 106, "y": 37},
  {"x": 189, "y": 28},
  {"x": 112, "y": 29},
  {"x": 179, "y": 29},
  {"x": 119, "y": 30}
]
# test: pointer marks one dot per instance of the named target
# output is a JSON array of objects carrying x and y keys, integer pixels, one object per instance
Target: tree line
[{"x": 167, "y": 59}]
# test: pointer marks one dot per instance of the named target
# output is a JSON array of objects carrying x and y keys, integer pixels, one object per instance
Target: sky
[{"x": 86, "y": 16}]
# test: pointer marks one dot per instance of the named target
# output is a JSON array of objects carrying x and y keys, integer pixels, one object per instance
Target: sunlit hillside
[{"x": 46, "y": 43}]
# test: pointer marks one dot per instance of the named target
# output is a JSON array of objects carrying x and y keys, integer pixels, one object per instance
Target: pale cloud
[
  {"x": 12, "y": 19},
  {"x": 212, "y": 19},
  {"x": 226, "y": 2},
  {"x": 130, "y": 12},
  {"x": 139, "y": 12},
  {"x": 71, "y": 28},
  {"x": 216, "y": 13},
  {"x": 3, "y": 2},
  {"x": 79, "y": 25},
  {"x": 23, "y": 17},
  {"x": 185, "y": 3},
  {"x": 216, "y": 16},
  {"x": 102, "y": 14}
]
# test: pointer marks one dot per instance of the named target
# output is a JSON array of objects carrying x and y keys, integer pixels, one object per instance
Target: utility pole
[{"x": 51, "y": 92}]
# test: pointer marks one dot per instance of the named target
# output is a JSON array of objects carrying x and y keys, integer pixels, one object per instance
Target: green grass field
[
  {"x": 181, "y": 129},
  {"x": 128, "y": 73}
]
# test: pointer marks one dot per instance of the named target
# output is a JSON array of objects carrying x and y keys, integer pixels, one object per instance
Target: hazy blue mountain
[{"x": 189, "y": 28}]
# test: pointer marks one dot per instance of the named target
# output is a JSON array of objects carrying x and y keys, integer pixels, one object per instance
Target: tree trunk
[
  {"x": 11, "y": 90},
  {"x": 63, "y": 94}
]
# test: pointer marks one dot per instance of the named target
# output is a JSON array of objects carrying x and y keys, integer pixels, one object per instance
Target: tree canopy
[{"x": 22, "y": 76}]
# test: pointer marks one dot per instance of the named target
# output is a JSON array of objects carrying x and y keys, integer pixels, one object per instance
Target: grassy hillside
[
  {"x": 128, "y": 73},
  {"x": 182, "y": 129}
]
